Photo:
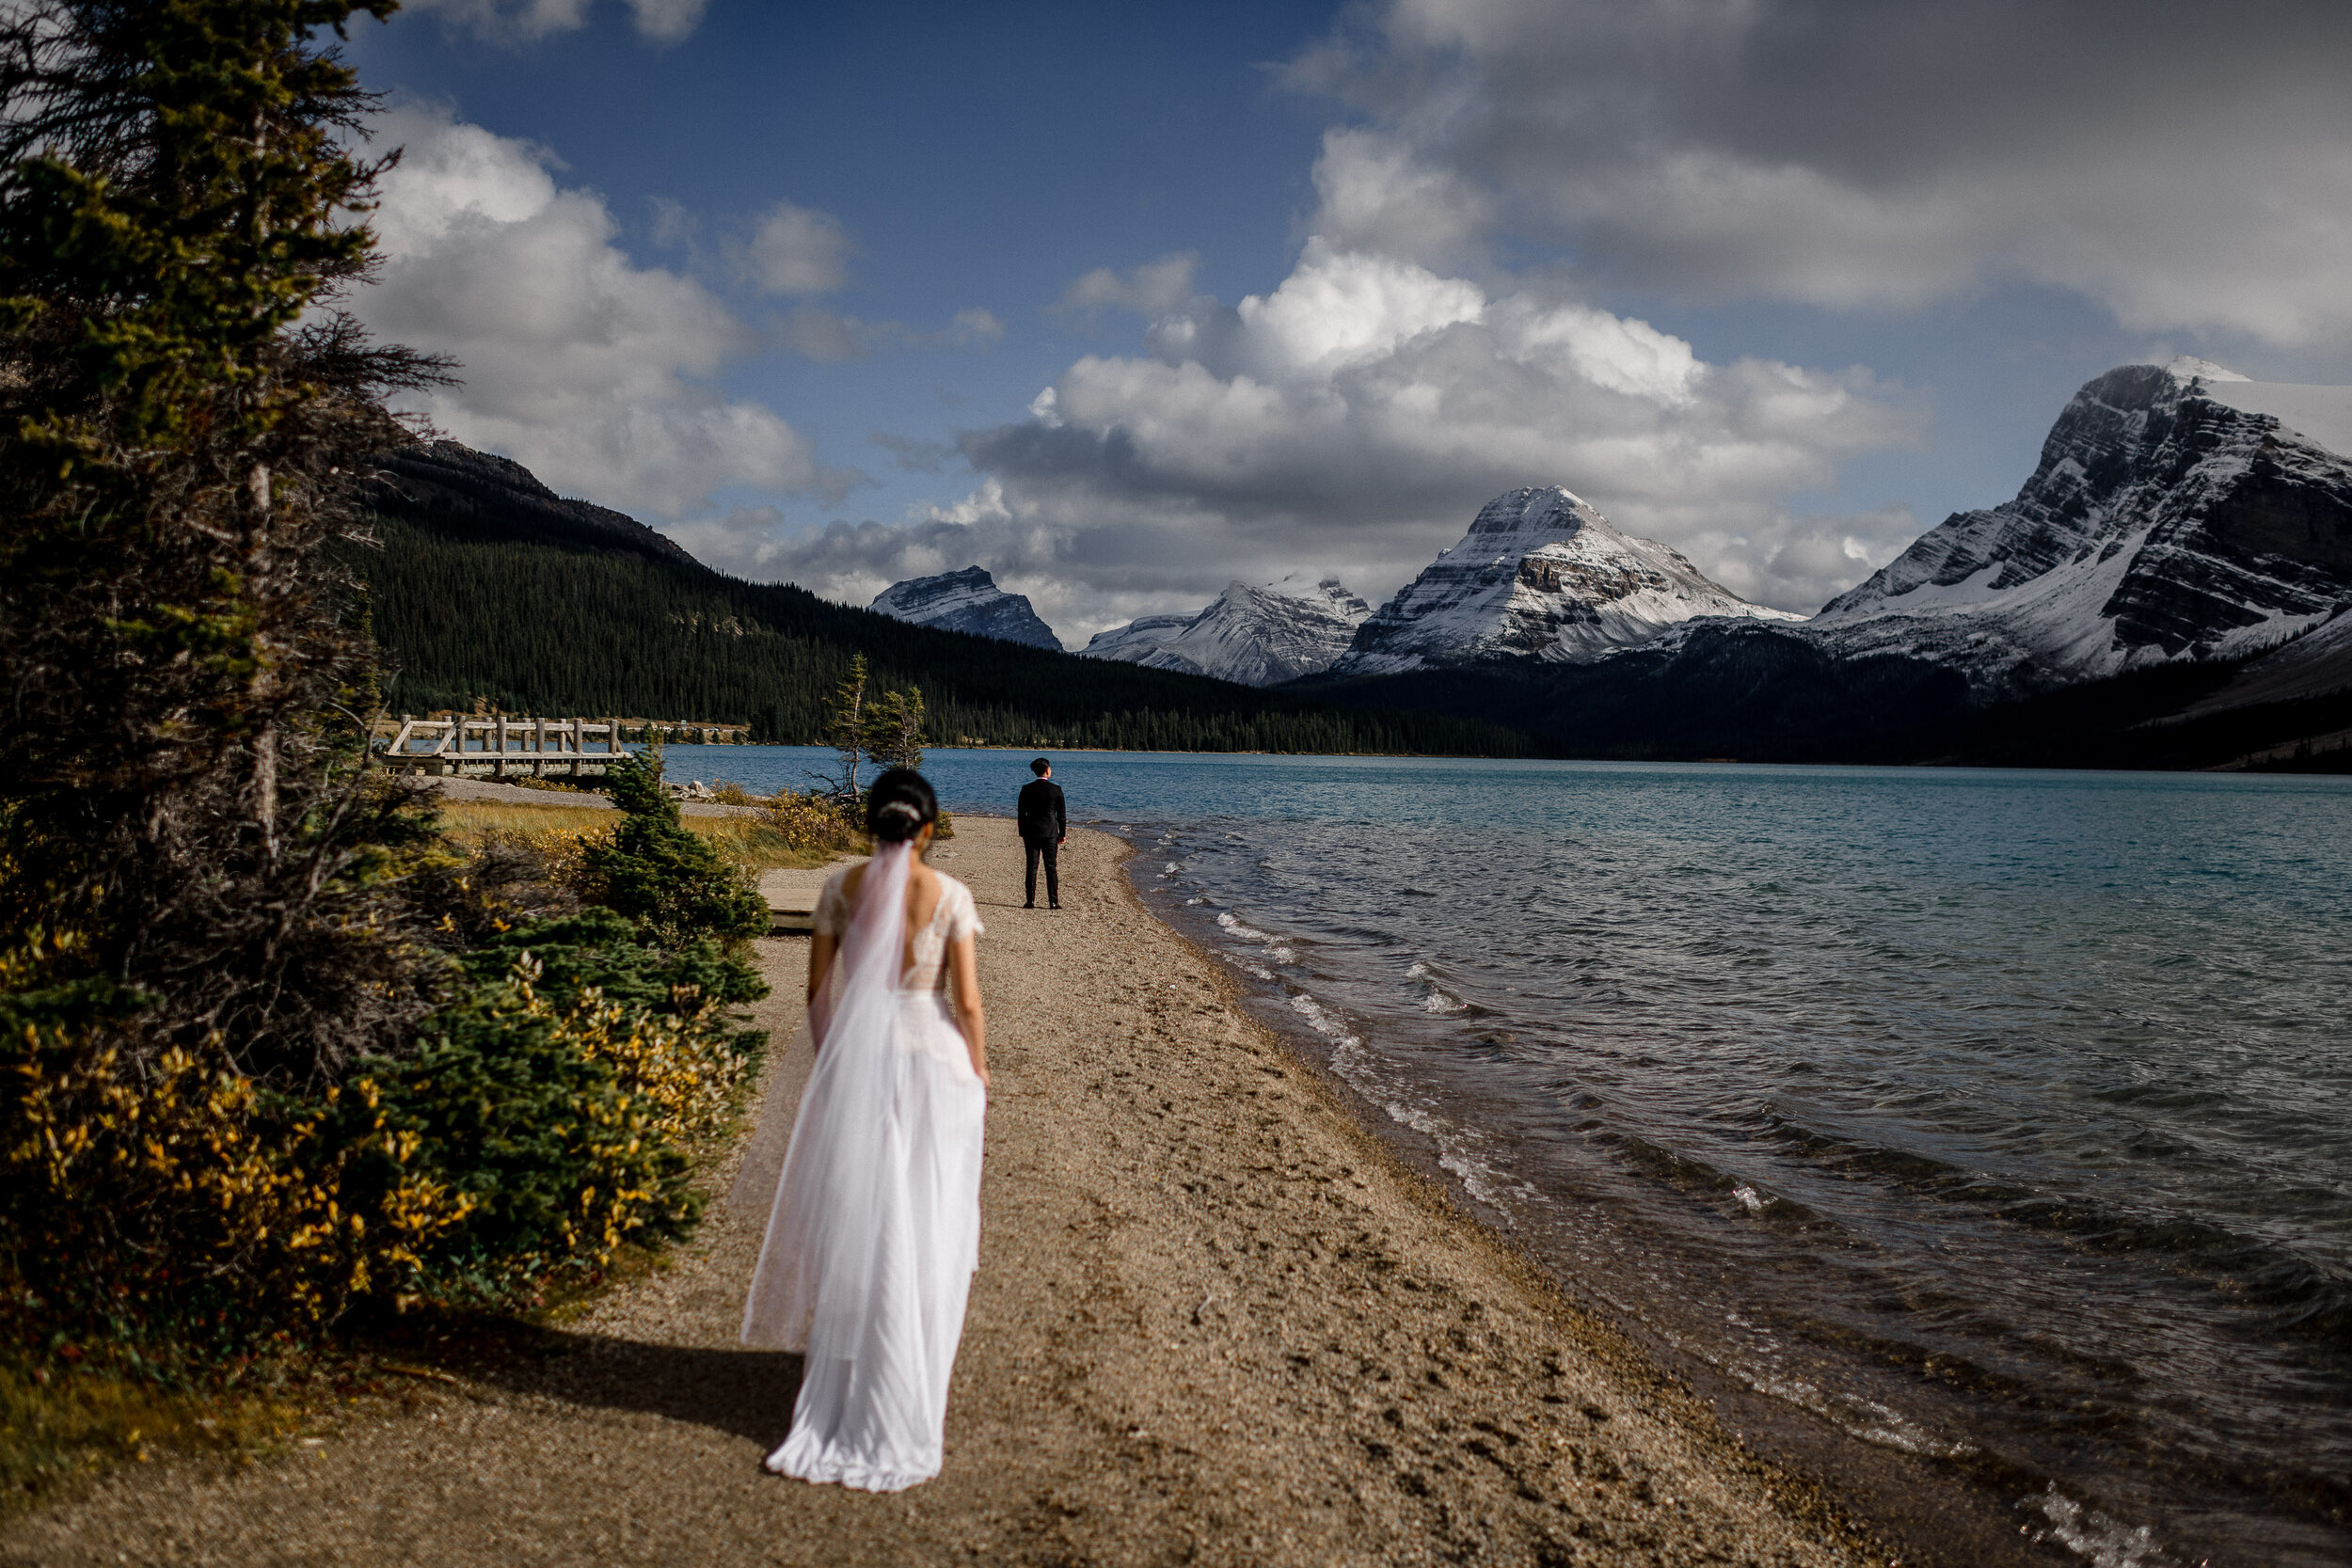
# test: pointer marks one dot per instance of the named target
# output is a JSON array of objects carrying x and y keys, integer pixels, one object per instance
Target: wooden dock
[
  {"x": 791, "y": 896},
  {"x": 499, "y": 747}
]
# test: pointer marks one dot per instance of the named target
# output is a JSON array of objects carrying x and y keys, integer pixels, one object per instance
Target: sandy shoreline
[{"x": 1216, "y": 1321}]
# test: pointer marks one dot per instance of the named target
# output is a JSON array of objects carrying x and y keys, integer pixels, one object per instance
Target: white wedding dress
[{"x": 876, "y": 1228}]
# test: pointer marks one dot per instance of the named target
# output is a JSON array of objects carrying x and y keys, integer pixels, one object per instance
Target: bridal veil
[{"x": 875, "y": 1231}]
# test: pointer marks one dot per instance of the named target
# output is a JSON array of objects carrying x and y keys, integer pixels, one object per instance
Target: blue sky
[{"x": 1778, "y": 284}]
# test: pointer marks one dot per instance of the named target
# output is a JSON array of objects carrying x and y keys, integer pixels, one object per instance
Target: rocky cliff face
[
  {"x": 1255, "y": 636},
  {"x": 2176, "y": 514},
  {"x": 970, "y": 601},
  {"x": 1540, "y": 576}
]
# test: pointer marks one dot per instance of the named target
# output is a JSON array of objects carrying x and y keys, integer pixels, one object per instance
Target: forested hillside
[{"x": 471, "y": 612}]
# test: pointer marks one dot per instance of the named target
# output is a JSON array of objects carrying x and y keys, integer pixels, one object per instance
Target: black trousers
[{"x": 1051, "y": 852}]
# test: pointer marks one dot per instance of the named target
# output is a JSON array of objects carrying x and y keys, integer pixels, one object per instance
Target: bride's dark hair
[{"x": 900, "y": 804}]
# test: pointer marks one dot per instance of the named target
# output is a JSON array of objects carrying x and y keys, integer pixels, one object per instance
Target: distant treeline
[
  {"x": 532, "y": 628},
  {"x": 1754, "y": 695}
]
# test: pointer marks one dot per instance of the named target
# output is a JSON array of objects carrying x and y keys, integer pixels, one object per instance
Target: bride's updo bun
[{"x": 901, "y": 802}]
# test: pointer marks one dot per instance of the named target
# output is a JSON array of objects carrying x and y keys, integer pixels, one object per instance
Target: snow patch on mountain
[
  {"x": 1539, "y": 576},
  {"x": 970, "y": 601},
  {"x": 2179, "y": 511},
  {"x": 1256, "y": 635},
  {"x": 1136, "y": 642}
]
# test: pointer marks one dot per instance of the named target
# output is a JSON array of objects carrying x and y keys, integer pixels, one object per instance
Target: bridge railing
[{"x": 500, "y": 747}]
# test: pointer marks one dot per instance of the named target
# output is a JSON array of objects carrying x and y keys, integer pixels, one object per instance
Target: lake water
[{"x": 2001, "y": 1119}]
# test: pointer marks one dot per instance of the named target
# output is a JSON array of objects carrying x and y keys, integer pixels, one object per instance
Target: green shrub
[
  {"x": 658, "y": 872},
  {"x": 600, "y": 948},
  {"x": 563, "y": 1097}
]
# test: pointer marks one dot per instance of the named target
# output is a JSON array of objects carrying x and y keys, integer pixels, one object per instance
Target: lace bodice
[{"x": 927, "y": 967}]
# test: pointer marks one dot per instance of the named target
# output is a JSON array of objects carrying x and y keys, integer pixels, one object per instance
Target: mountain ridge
[
  {"x": 1258, "y": 636},
  {"x": 496, "y": 497},
  {"x": 511, "y": 603}
]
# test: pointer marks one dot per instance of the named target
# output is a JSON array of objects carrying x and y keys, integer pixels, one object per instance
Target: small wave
[
  {"x": 2295, "y": 1294},
  {"x": 1857, "y": 1416},
  {"x": 2101, "y": 1541},
  {"x": 1456, "y": 1146},
  {"x": 1750, "y": 1199},
  {"x": 1318, "y": 1018},
  {"x": 1246, "y": 933},
  {"x": 1436, "y": 999},
  {"x": 1488, "y": 1184}
]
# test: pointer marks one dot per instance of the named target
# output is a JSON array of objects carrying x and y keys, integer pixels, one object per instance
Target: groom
[{"x": 1045, "y": 822}]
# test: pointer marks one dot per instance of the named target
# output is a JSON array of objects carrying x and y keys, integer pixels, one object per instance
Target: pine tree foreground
[{"x": 187, "y": 847}]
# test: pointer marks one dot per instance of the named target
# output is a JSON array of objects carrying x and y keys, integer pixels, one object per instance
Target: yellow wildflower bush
[
  {"x": 179, "y": 1188},
  {"x": 812, "y": 822}
]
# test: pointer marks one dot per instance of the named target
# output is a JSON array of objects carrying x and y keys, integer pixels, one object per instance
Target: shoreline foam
[{"x": 1928, "y": 1512}]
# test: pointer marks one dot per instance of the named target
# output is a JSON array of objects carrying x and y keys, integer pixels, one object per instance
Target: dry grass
[
  {"x": 748, "y": 841},
  {"x": 470, "y": 819},
  {"x": 757, "y": 846},
  {"x": 58, "y": 1426}
]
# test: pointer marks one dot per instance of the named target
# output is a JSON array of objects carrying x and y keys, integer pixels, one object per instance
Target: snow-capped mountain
[
  {"x": 2178, "y": 511},
  {"x": 970, "y": 601},
  {"x": 1136, "y": 642},
  {"x": 1256, "y": 635},
  {"x": 1540, "y": 576}
]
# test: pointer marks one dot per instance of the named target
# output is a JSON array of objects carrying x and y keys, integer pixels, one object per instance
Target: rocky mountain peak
[
  {"x": 2180, "y": 511},
  {"x": 1540, "y": 575},
  {"x": 969, "y": 601}
]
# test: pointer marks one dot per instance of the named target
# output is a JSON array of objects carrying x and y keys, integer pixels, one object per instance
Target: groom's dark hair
[{"x": 1040, "y": 768}]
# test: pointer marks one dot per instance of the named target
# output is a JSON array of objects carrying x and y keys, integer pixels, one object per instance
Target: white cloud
[
  {"x": 1154, "y": 289},
  {"x": 508, "y": 20},
  {"x": 1357, "y": 416},
  {"x": 797, "y": 251},
  {"x": 668, "y": 20},
  {"x": 976, "y": 326},
  {"x": 518, "y": 22},
  {"x": 588, "y": 369},
  {"x": 2186, "y": 165},
  {"x": 851, "y": 562}
]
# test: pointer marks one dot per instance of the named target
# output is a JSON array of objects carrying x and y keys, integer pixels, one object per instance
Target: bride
[{"x": 876, "y": 1228}]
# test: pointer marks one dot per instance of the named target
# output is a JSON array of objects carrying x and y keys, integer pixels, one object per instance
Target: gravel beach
[{"x": 1214, "y": 1322}]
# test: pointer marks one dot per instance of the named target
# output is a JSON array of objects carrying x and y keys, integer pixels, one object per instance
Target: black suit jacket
[{"x": 1042, "y": 816}]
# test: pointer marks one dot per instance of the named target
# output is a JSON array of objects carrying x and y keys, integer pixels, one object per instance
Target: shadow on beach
[{"x": 744, "y": 1393}]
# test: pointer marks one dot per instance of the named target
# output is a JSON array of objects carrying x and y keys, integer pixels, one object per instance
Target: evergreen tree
[
  {"x": 181, "y": 411},
  {"x": 661, "y": 874},
  {"x": 894, "y": 730},
  {"x": 844, "y": 731}
]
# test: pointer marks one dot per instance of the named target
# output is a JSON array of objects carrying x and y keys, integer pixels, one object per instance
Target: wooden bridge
[{"x": 499, "y": 747}]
